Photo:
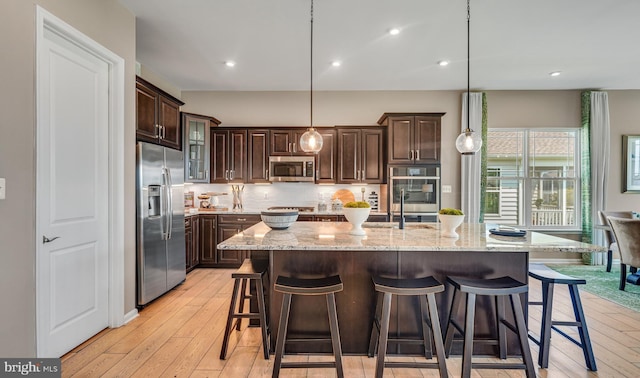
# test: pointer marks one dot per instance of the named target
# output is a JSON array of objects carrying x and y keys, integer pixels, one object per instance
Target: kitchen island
[{"x": 313, "y": 249}]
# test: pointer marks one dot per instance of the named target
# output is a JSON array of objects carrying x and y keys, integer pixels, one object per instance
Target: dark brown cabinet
[
  {"x": 208, "y": 240},
  {"x": 228, "y": 155},
  {"x": 286, "y": 141},
  {"x": 157, "y": 116},
  {"x": 258, "y": 158},
  {"x": 192, "y": 238},
  {"x": 326, "y": 158},
  {"x": 229, "y": 225},
  {"x": 361, "y": 155},
  {"x": 414, "y": 138}
]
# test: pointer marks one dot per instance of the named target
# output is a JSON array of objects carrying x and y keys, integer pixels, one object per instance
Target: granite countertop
[
  {"x": 195, "y": 211},
  {"x": 328, "y": 236}
]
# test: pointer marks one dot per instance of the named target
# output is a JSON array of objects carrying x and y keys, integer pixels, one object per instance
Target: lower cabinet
[
  {"x": 192, "y": 240},
  {"x": 215, "y": 229}
]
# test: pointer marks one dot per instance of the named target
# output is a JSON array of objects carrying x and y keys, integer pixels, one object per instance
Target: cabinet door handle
[
  {"x": 410, "y": 154},
  {"x": 242, "y": 219},
  {"x": 157, "y": 131},
  {"x": 164, "y": 132},
  {"x": 362, "y": 175},
  {"x": 357, "y": 175},
  {"x": 206, "y": 173},
  {"x": 417, "y": 154},
  {"x": 226, "y": 174},
  {"x": 231, "y": 174},
  {"x": 295, "y": 149},
  {"x": 289, "y": 148}
]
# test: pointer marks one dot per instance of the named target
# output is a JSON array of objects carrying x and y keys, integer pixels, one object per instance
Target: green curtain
[
  {"x": 483, "y": 158},
  {"x": 585, "y": 171}
]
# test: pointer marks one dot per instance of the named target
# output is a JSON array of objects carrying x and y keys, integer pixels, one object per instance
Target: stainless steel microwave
[{"x": 291, "y": 168}]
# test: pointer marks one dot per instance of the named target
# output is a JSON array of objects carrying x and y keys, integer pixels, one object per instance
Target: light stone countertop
[
  {"x": 328, "y": 236},
  {"x": 195, "y": 211}
]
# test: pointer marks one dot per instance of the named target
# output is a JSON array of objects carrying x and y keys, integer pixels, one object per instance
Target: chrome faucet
[{"x": 401, "y": 223}]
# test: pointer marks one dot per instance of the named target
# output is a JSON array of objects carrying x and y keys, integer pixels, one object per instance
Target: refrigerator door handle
[
  {"x": 170, "y": 203},
  {"x": 165, "y": 204}
]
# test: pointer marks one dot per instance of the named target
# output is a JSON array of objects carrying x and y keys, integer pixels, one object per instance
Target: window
[{"x": 533, "y": 178}]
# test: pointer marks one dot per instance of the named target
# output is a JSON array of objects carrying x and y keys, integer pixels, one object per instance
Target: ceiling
[{"x": 515, "y": 44}]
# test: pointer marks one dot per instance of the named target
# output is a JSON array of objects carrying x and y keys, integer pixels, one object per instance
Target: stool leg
[
  {"x": 623, "y": 276},
  {"x": 453, "y": 311},
  {"x": 263, "y": 318},
  {"x": 437, "y": 334},
  {"x": 521, "y": 327},
  {"x": 375, "y": 331},
  {"x": 282, "y": 334},
  {"x": 335, "y": 333},
  {"x": 426, "y": 328},
  {"x": 609, "y": 260},
  {"x": 230, "y": 317},
  {"x": 502, "y": 329},
  {"x": 589, "y": 358},
  {"x": 467, "y": 354},
  {"x": 545, "y": 329},
  {"x": 384, "y": 334},
  {"x": 243, "y": 297}
]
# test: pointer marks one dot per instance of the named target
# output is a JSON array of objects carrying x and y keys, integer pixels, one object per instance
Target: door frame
[{"x": 116, "y": 96}]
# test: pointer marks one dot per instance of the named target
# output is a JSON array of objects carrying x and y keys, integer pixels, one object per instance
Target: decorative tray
[{"x": 508, "y": 232}]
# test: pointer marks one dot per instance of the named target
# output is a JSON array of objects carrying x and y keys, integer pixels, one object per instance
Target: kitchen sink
[{"x": 395, "y": 225}]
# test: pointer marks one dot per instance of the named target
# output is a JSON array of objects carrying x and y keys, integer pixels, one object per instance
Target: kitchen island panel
[{"x": 356, "y": 303}]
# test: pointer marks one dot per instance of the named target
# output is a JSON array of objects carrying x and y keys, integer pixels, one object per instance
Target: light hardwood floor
[{"x": 180, "y": 335}]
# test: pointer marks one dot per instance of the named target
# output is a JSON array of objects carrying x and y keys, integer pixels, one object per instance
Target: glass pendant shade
[
  {"x": 311, "y": 141},
  {"x": 468, "y": 142}
]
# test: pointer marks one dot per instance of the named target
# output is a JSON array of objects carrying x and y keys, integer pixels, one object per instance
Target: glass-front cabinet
[{"x": 196, "y": 146}]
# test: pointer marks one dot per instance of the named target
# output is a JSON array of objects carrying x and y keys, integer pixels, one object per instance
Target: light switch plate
[
  {"x": 446, "y": 188},
  {"x": 3, "y": 190}
]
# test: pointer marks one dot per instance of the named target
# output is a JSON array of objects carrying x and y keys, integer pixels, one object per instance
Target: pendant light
[
  {"x": 311, "y": 140},
  {"x": 468, "y": 142}
]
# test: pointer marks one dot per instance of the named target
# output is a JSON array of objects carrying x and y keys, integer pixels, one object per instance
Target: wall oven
[
  {"x": 291, "y": 168},
  {"x": 421, "y": 186}
]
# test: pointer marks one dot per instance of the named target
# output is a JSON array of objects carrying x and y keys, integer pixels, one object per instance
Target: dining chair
[
  {"x": 627, "y": 234},
  {"x": 608, "y": 234}
]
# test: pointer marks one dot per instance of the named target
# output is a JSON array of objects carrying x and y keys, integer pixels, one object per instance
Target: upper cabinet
[
  {"x": 258, "y": 158},
  {"x": 228, "y": 155},
  {"x": 414, "y": 138},
  {"x": 197, "y": 146},
  {"x": 286, "y": 141},
  {"x": 326, "y": 158},
  {"x": 361, "y": 155},
  {"x": 157, "y": 115}
]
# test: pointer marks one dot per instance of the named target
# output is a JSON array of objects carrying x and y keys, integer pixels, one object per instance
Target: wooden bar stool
[
  {"x": 549, "y": 278},
  {"x": 290, "y": 286},
  {"x": 499, "y": 288},
  {"x": 249, "y": 271},
  {"x": 424, "y": 288}
]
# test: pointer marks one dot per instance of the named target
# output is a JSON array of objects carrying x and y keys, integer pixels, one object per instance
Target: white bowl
[{"x": 279, "y": 219}]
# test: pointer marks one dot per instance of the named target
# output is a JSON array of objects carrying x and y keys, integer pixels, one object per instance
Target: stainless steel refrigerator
[{"x": 160, "y": 221}]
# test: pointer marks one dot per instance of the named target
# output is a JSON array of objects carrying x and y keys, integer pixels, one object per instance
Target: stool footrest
[
  {"x": 253, "y": 315},
  {"x": 568, "y": 337},
  {"x": 489, "y": 365},
  {"x": 405, "y": 341},
  {"x": 421, "y": 365},
  {"x": 297, "y": 365}
]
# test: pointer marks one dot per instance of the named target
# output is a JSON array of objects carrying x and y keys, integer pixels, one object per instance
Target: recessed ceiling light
[
  {"x": 443, "y": 63},
  {"x": 394, "y": 31},
  {"x": 555, "y": 73},
  {"x": 230, "y": 63},
  {"x": 336, "y": 63}
]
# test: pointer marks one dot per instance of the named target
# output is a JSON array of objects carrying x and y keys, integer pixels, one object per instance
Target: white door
[{"x": 72, "y": 195}]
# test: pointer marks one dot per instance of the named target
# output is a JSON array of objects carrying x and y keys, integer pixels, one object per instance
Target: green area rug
[{"x": 603, "y": 283}]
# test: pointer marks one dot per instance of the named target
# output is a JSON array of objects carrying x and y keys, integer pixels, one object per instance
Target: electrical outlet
[
  {"x": 446, "y": 188},
  {"x": 3, "y": 190}
]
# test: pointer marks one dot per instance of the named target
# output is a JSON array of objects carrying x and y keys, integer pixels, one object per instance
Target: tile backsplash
[{"x": 258, "y": 197}]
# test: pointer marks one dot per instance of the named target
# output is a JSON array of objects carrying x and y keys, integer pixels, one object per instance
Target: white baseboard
[{"x": 130, "y": 315}]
